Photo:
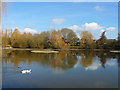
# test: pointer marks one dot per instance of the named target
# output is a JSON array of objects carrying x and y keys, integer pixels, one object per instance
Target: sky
[
  {"x": 36, "y": 17},
  {"x": 60, "y": 0}
]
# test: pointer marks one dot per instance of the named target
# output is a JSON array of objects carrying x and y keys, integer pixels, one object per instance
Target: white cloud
[
  {"x": 76, "y": 65},
  {"x": 87, "y": 27},
  {"x": 91, "y": 26},
  {"x": 111, "y": 63},
  {"x": 58, "y": 21},
  {"x": 78, "y": 62},
  {"x": 99, "y": 8},
  {"x": 27, "y": 30},
  {"x": 94, "y": 66},
  {"x": 111, "y": 29},
  {"x": 75, "y": 28},
  {"x": 102, "y": 30}
]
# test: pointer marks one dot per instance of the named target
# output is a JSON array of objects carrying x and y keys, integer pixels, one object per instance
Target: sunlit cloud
[
  {"x": 75, "y": 28},
  {"x": 91, "y": 26},
  {"x": 27, "y": 30},
  {"x": 102, "y": 30},
  {"x": 87, "y": 27},
  {"x": 111, "y": 29}
]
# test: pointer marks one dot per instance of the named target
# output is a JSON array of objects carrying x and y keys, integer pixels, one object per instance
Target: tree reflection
[
  {"x": 119, "y": 60},
  {"x": 63, "y": 60},
  {"x": 87, "y": 58},
  {"x": 102, "y": 57}
]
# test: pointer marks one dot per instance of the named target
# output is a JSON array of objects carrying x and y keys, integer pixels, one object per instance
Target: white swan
[
  {"x": 29, "y": 71},
  {"x": 26, "y": 71}
]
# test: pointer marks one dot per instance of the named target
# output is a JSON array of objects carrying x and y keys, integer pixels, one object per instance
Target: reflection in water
[
  {"x": 70, "y": 66},
  {"x": 90, "y": 60},
  {"x": 0, "y": 68},
  {"x": 0, "y": 72}
]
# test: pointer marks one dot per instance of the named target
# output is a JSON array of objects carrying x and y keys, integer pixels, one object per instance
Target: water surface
[{"x": 71, "y": 69}]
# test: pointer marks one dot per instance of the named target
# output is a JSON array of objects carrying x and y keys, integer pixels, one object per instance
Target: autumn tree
[
  {"x": 15, "y": 38},
  {"x": 45, "y": 36},
  {"x": 102, "y": 41},
  {"x": 118, "y": 46},
  {"x": 30, "y": 41},
  {"x": 23, "y": 40},
  {"x": 87, "y": 41},
  {"x": 69, "y": 36},
  {"x": 39, "y": 41},
  {"x": 57, "y": 40}
]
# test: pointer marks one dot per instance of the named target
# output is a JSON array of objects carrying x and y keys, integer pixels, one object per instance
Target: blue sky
[{"x": 39, "y": 16}]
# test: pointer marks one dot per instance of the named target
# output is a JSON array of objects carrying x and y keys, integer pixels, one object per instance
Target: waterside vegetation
[{"x": 57, "y": 39}]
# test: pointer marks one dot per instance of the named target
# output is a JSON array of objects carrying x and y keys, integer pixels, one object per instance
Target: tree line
[{"x": 57, "y": 39}]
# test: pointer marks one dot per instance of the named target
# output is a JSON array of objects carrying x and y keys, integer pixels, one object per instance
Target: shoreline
[{"x": 36, "y": 49}]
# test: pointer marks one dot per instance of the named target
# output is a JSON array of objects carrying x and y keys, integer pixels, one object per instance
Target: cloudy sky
[{"x": 37, "y": 17}]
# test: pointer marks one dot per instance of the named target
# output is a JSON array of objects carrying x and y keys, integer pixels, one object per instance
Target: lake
[{"x": 67, "y": 69}]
